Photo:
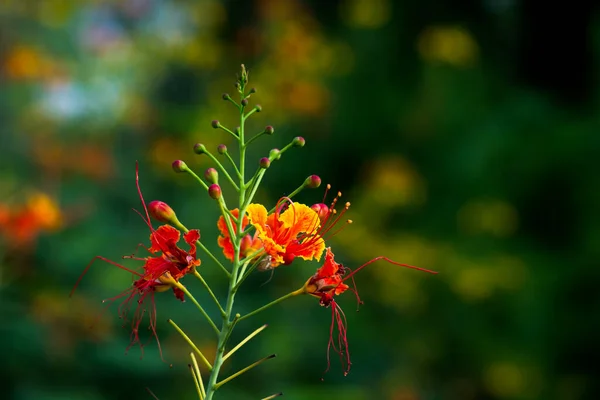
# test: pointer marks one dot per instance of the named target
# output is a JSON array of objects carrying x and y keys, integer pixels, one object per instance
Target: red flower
[
  {"x": 169, "y": 263},
  {"x": 327, "y": 283}
]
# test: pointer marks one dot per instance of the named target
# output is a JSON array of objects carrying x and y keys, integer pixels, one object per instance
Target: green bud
[
  {"x": 199, "y": 148},
  {"x": 179, "y": 166},
  {"x": 244, "y": 102},
  {"x": 252, "y": 90},
  {"x": 226, "y": 96},
  {"x": 222, "y": 149},
  {"x": 298, "y": 141},
  {"x": 215, "y": 124},
  {"x": 258, "y": 108},
  {"x": 211, "y": 175},
  {"x": 274, "y": 154},
  {"x": 269, "y": 130}
]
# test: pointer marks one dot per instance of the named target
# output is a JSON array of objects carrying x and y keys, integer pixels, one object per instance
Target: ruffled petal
[
  {"x": 258, "y": 215},
  {"x": 163, "y": 238},
  {"x": 299, "y": 218}
]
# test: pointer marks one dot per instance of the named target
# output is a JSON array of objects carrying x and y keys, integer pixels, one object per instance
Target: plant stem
[
  {"x": 279, "y": 300},
  {"x": 228, "y": 324},
  {"x": 201, "y": 279}
]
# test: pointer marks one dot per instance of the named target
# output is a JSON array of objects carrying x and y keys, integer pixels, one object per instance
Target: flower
[
  {"x": 249, "y": 244},
  {"x": 285, "y": 235},
  {"x": 162, "y": 271},
  {"x": 22, "y": 225},
  {"x": 327, "y": 283}
]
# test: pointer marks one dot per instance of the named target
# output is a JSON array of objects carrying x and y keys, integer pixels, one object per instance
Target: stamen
[{"x": 106, "y": 260}]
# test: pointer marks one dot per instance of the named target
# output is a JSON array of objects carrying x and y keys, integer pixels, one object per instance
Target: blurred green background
[{"x": 465, "y": 134}]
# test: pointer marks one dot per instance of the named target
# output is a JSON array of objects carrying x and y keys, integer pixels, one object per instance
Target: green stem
[
  {"x": 192, "y": 345},
  {"x": 279, "y": 300},
  {"x": 208, "y": 318},
  {"x": 192, "y": 173},
  {"x": 229, "y": 131},
  {"x": 243, "y": 342},
  {"x": 237, "y": 171},
  {"x": 200, "y": 383},
  {"x": 222, "y": 169},
  {"x": 240, "y": 372},
  {"x": 228, "y": 324},
  {"x": 201, "y": 279}
]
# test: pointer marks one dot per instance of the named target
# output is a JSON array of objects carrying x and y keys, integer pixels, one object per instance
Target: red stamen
[{"x": 103, "y": 259}]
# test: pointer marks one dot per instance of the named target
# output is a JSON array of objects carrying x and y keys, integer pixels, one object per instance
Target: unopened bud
[
  {"x": 161, "y": 211},
  {"x": 215, "y": 124},
  {"x": 274, "y": 154},
  {"x": 222, "y": 149},
  {"x": 199, "y": 148},
  {"x": 312, "y": 182},
  {"x": 265, "y": 162},
  {"x": 299, "y": 141},
  {"x": 211, "y": 175},
  {"x": 245, "y": 245},
  {"x": 179, "y": 166},
  {"x": 214, "y": 191},
  {"x": 258, "y": 108},
  {"x": 269, "y": 130},
  {"x": 321, "y": 209},
  {"x": 244, "y": 102},
  {"x": 237, "y": 130},
  {"x": 252, "y": 90},
  {"x": 226, "y": 96}
]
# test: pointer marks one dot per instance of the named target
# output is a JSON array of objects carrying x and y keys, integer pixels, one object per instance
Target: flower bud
[
  {"x": 222, "y": 149},
  {"x": 214, "y": 191},
  {"x": 244, "y": 102},
  {"x": 321, "y": 209},
  {"x": 179, "y": 166},
  {"x": 274, "y": 154},
  {"x": 298, "y": 141},
  {"x": 226, "y": 96},
  {"x": 312, "y": 182},
  {"x": 215, "y": 124},
  {"x": 245, "y": 245},
  {"x": 269, "y": 130},
  {"x": 264, "y": 162},
  {"x": 199, "y": 148},
  {"x": 252, "y": 90},
  {"x": 211, "y": 175},
  {"x": 258, "y": 108},
  {"x": 237, "y": 130},
  {"x": 161, "y": 211}
]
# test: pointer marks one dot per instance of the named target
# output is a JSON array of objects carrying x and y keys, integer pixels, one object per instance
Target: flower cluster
[{"x": 252, "y": 237}]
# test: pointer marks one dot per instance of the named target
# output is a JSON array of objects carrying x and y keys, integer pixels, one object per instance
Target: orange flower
[
  {"x": 248, "y": 244},
  {"x": 22, "y": 225},
  {"x": 285, "y": 235},
  {"x": 328, "y": 282}
]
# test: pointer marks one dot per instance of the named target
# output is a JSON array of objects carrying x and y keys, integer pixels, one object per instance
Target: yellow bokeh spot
[
  {"x": 491, "y": 216},
  {"x": 366, "y": 14},
  {"x": 394, "y": 182},
  {"x": 507, "y": 379},
  {"x": 451, "y": 45},
  {"x": 46, "y": 210},
  {"x": 474, "y": 283}
]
